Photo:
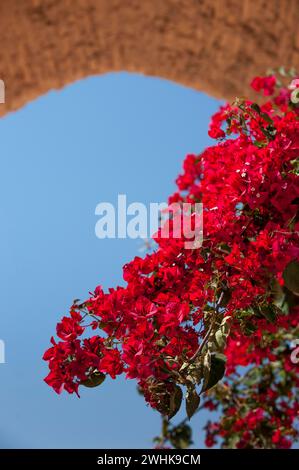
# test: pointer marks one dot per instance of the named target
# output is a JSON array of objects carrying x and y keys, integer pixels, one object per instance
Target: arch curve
[{"x": 210, "y": 45}]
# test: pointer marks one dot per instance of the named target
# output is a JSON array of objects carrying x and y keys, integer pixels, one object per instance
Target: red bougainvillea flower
[
  {"x": 264, "y": 84},
  {"x": 186, "y": 318}
]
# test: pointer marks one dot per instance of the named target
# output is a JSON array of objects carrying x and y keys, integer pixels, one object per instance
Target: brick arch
[{"x": 210, "y": 45}]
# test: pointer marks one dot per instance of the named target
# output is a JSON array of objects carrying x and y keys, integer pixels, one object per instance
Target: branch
[{"x": 204, "y": 341}]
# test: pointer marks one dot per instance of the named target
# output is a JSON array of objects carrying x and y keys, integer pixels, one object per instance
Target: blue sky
[{"x": 60, "y": 156}]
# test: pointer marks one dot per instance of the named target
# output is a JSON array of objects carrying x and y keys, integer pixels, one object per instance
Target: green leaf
[
  {"x": 225, "y": 325},
  {"x": 192, "y": 402},
  {"x": 282, "y": 71},
  {"x": 96, "y": 379},
  {"x": 291, "y": 277},
  {"x": 295, "y": 96},
  {"x": 225, "y": 298},
  {"x": 256, "y": 108},
  {"x": 268, "y": 312},
  {"x": 220, "y": 338},
  {"x": 248, "y": 328},
  {"x": 269, "y": 132},
  {"x": 175, "y": 401},
  {"x": 279, "y": 297},
  {"x": 260, "y": 143},
  {"x": 252, "y": 377},
  {"x": 217, "y": 371},
  {"x": 181, "y": 436},
  {"x": 267, "y": 118},
  {"x": 233, "y": 441},
  {"x": 222, "y": 334},
  {"x": 207, "y": 361}
]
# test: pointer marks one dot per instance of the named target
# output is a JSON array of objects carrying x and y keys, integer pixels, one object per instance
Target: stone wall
[{"x": 210, "y": 45}]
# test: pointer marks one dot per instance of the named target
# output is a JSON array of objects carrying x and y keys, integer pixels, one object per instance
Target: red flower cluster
[
  {"x": 167, "y": 325},
  {"x": 264, "y": 84}
]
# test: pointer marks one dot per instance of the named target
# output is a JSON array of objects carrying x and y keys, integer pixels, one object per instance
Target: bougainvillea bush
[{"x": 211, "y": 327}]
